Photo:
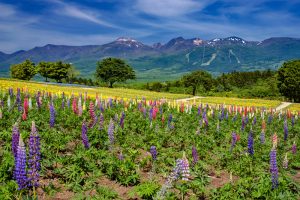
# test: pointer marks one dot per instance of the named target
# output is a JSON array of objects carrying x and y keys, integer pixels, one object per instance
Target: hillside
[{"x": 170, "y": 60}]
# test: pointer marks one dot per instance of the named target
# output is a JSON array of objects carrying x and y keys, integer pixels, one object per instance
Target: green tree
[
  {"x": 72, "y": 74},
  {"x": 111, "y": 70},
  {"x": 197, "y": 78},
  {"x": 289, "y": 80},
  {"x": 44, "y": 69},
  {"x": 59, "y": 71},
  {"x": 24, "y": 71}
]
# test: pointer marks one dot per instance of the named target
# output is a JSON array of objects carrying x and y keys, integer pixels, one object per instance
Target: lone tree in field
[
  {"x": 197, "y": 78},
  {"x": 111, "y": 70},
  {"x": 44, "y": 69},
  {"x": 59, "y": 71},
  {"x": 24, "y": 71},
  {"x": 289, "y": 80}
]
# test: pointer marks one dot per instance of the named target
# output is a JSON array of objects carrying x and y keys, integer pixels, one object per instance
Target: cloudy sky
[{"x": 25, "y": 24}]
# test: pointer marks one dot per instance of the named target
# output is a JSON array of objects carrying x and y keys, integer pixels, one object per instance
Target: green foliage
[
  {"x": 44, "y": 69},
  {"x": 59, "y": 70},
  {"x": 289, "y": 80},
  {"x": 146, "y": 190},
  {"x": 197, "y": 78},
  {"x": 24, "y": 71},
  {"x": 111, "y": 70}
]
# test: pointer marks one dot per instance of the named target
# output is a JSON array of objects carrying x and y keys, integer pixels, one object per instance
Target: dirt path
[
  {"x": 282, "y": 106},
  {"x": 189, "y": 99}
]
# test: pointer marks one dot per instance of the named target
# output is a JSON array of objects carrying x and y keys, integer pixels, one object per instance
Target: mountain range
[{"x": 170, "y": 60}]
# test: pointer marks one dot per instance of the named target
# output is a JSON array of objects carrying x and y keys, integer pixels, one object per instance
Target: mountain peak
[{"x": 125, "y": 39}]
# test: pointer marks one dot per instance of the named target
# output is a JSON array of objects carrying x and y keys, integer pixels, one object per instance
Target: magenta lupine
[
  {"x": 20, "y": 165},
  {"x": 233, "y": 142},
  {"x": 110, "y": 131},
  {"x": 15, "y": 139},
  {"x": 294, "y": 148},
  {"x": 153, "y": 152},
  {"x": 250, "y": 143},
  {"x": 85, "y": 140},
  {"x": 195, "y": 155},
  {"x": 101, "y": 122},
  {"x": 273, "y": 168},
  {"x": 52, "y": 115},
  {"x": 34, "y": 157}
]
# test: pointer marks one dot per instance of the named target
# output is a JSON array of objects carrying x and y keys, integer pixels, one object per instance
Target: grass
[
  {"x": 240, "y": 102},
  {"x": 32, "y": 87}
]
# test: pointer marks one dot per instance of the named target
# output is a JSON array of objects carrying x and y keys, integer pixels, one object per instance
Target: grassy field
[
  {"x": 102, "y": 91},
  {"x": 239, "y": 102},
  {"x": 294, "y": 107}
]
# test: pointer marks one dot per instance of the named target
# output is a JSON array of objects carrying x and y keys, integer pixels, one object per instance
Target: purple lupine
[
  {"x": 153, "y": 152},
  {"x": 63, "y": 104},
  {"x": 199, "y": 111},
  {"x": 234, "y": 118},
  {"x": 254, "y": 121},
  {"x": 52, "y": 115},
  {"x": 122, "y": 120},
  {"x": 121, "y": 156},
  {"x": 101, "y": 122},
  {"x": 286, "y": 131},
  {"x": 68, "y": 103},
  {"x": 34, "y": 157},
  {"x": 20, "y": 165},
  {"x": 84, "y": 137},
  {"x": 18, "y": 100},
  {"x": 110, "y": 131},
  {"x": 270, "y": 118},
  {"x": 195, "y": 155},
  {"x": 273, "y": 168},
  {"x": 233, "y": 142},
  {"x": 294, "y": 148},
  {"x": 151, "y": 114},
  {"x": 250, "y": 143},
  {"x": 226, "y": 117},
  {"x": 262, "y": 137},
  {"x": 15, "y": 139},
  {"x": 170, "y": 120},
  {"x": 293, "y": 121},
  {"x": 11, "y": 92},
  {"x": 243, "y": 123}
]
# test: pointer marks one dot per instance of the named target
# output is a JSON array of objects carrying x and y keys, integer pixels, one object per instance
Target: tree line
[{"x": 285, "y": 81}]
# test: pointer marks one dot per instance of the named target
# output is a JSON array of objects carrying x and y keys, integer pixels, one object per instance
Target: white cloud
[{"x": 170, "y": 8}]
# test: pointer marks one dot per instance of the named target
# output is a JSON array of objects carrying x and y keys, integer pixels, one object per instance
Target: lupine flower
[
  {"x": 195, "y": 155},
  {"x": 293, "y": 121},
  {"x": 116, "y": 118},
  {"x": 24, "y": 116},
  {"x": 79, "y": 107},
  {"x": 185, "y": 169},
  {"x": 285, "y": 162},
  {"x": 153, "y": 152},
  {"x": 270, "y": 119},
  {"x": 120, "y": 156},
  {"x": 274, "y": 140},
  {"x": 52, "y": 115},
  {"x": 84, "y": 137},
  {"x": 250, "y": 143},
  {"x": 243, "y": 123},
  {"x": 18, "y": 100},
  {"x": 170, "y": 120},
  {"x": 74, "y": 106},
  {"x": 26, "y": 106},
  {"x": 20, "y": 165},
  {"x": 101, "y": 122},
  {"x": 68, "y": 102},
  {"x": 15, "y": 139},
  {"x": 8, "y": 102},
  {"x": 273, "y": 168},
  {"x": 233, "y": 142},
  {"x": 294, "y": 148},
  {"x": 63, "y": 104},
  {"x": 254, "y": 121},
  {"x": 30, "y": 103},
  {"x": 34, "y": 157},
  {"x": 262, "y": 137},
  {"x": 92, "y": 115},
  {"x": 110, "y": 131},
  {"x": 173, "y": 177},
  {"x": 122, "y": 120},
  {"x": 286, "y": 131}
]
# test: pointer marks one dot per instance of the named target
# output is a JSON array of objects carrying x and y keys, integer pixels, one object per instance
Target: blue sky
[{"x": 25, "y": 24}]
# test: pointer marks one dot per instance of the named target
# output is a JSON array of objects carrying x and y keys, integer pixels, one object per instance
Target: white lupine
[{"x": 30, "y": 103}]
